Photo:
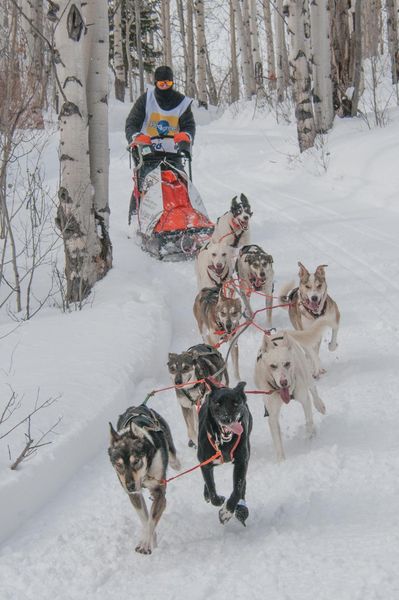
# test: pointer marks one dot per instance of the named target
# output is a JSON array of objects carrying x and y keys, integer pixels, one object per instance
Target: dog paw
[
  {"x": 332, "y": 346},
  {"x": 241, "y": 512},
  {"x": 217, "y": 500},
  {"x": 143, "y": 547},
  {"x": 224, "y": 514}
]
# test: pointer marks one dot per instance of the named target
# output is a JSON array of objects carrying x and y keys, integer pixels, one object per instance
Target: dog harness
[
  {"x": 222, "y": 278},
  {"x": 237, "y": 236},
  {"x": 143, "y": 417}
]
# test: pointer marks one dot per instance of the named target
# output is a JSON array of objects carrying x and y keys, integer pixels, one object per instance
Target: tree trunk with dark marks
[
  {"x": 119, "y": 65},
  {"x": 300, "y": 73},
  {"x": 87, "y": 250},
  {"x": 392, "y": 32}
]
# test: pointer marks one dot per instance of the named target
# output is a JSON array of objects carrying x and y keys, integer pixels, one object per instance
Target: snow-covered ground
[{"x": 323, "y": 524}]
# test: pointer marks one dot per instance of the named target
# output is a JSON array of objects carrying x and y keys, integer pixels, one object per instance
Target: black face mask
[{"x": 166, "y": 98}]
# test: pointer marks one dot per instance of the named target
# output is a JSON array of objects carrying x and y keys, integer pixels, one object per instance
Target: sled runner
[{"x": 172, "y": 219}]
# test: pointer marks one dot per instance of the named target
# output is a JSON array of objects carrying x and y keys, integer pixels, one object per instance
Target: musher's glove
[
  {"x": 182, "y": 136},
  {"x": 141, "y": 139}
]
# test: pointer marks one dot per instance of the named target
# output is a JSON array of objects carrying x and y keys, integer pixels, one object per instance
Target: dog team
[{"x": 229, "y": 269}]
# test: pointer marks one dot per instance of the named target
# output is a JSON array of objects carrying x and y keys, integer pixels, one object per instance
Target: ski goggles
[{"x": 164, "y": 84}]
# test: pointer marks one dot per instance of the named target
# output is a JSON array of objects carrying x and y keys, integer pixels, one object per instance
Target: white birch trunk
[
  {"x": 300, "y": 74},
  {"x": 282, "y": 65},
  {"x": 191, "y": 83},
  {"x": 182, "y": 29},
  {"x": 137, "y": 16},
  {"x": 166, "y": 33},
  {"x": 322, "y": 84},
  {"x": 392, "y": 33},
  {"x": 97, "y": 40},
  {"x": 271, "y": 59},
  {"x": 76, "y": 219},
  {"x": 371, "y": 27},
  {"x": 234, "y": 81},
  {"x": 245, "y": 56},
  {"x": 357, "y": 69},
  {"x": 201, "y": 53},
  {"x": 254, "y": 35},
  {"x": 119, "y": 65}
]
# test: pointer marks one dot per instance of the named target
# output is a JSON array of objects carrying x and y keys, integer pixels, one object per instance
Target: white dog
[
  {"x": 214, "y": 264},
  {"x": 283, "y": 366},
  {"x": 233, "y": 226}
]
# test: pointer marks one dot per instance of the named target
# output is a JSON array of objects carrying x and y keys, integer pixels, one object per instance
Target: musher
[{"x": 160, "y": 111}]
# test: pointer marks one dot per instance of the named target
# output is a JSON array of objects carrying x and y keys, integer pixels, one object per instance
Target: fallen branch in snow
[{"x": 31, "y": 447}]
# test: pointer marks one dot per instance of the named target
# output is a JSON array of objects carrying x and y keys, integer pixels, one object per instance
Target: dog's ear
[
  {"x": 287, "y": 340},
  {"x": 320, "y": 273},
  {"x": 171, "y": 356},
  {"x": 240, "y": 388},
  {"x": 114, "y": 436},
  {"x": 266, "y": 343},
  {"x": 211, "y": 383},
  {"x": 136, "y": 431},
  {"x": 244, "y": 200},
  {"x": 303, "y": 272},
  {"x": 234, "y": 202}
]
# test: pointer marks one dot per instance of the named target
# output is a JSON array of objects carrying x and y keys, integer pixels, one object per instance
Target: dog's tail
[
  {"x": 284, "y": 294},
  {"x": 309, "y": 337}
]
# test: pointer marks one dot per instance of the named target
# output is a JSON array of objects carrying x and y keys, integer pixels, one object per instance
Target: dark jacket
[{"x": 167, "y": 99}]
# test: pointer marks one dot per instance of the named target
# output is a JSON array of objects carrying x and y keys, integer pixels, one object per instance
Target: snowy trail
[{"x": 323, "y": 524}]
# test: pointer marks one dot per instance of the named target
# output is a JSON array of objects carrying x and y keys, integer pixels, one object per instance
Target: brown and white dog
[
  {"x": 214, "y": 264},
  {"x": 233, "y": 226},
  {"x": 140, "y": 451},
  {"x": 255, "y": 271},
  {"x": 308, "y": 302},
  {"x": 191, "y": 368},
  {"x": 218, "y": 317},
  {"x": 283, "y": 366}
]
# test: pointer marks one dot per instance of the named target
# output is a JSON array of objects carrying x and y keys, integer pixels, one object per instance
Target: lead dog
[
  {"x": 214, "y": 264},
  {"x": 283, "y": 366},
  {"x": 218, "y": 317},
  {"x": 140, "y": 452},
  {"x": 310, "y": 301},
  {"x": 255, "y": 270},
  {"x": 225, "y": 425},
  {"x": 233, "y": 226},
  {"x": 196, "y": 363}
]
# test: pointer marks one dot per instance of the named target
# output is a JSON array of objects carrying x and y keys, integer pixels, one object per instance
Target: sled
[{"x": 172, "y": 220}]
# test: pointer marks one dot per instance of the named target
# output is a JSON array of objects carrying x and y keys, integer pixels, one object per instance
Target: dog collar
[
  {"x": 222, "y": 277},
  {"x": 215, "y": 443},
  {"x": 237, "y": 236}
]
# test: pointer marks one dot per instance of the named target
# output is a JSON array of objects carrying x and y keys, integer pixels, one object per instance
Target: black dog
[{"x": 225, "y": 424}]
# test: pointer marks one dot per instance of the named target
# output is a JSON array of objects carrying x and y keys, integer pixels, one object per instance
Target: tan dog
[
  {"x": 310, "y": 301},
  {"x": 255, "y": 270},
  {"x": 283, "y": 366},
  {"x": 217, "y": 317},
  {"x": 214, "y": 264}
]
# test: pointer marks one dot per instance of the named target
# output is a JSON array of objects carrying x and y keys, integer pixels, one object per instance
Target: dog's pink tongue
[
  {"x": 235, "y": 428},
  {"x": 314, "y": 306},
  {"x": 285, "y": 394}
]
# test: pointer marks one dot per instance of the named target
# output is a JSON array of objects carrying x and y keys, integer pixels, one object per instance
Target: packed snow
[{"x": 324, "y": 523}]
